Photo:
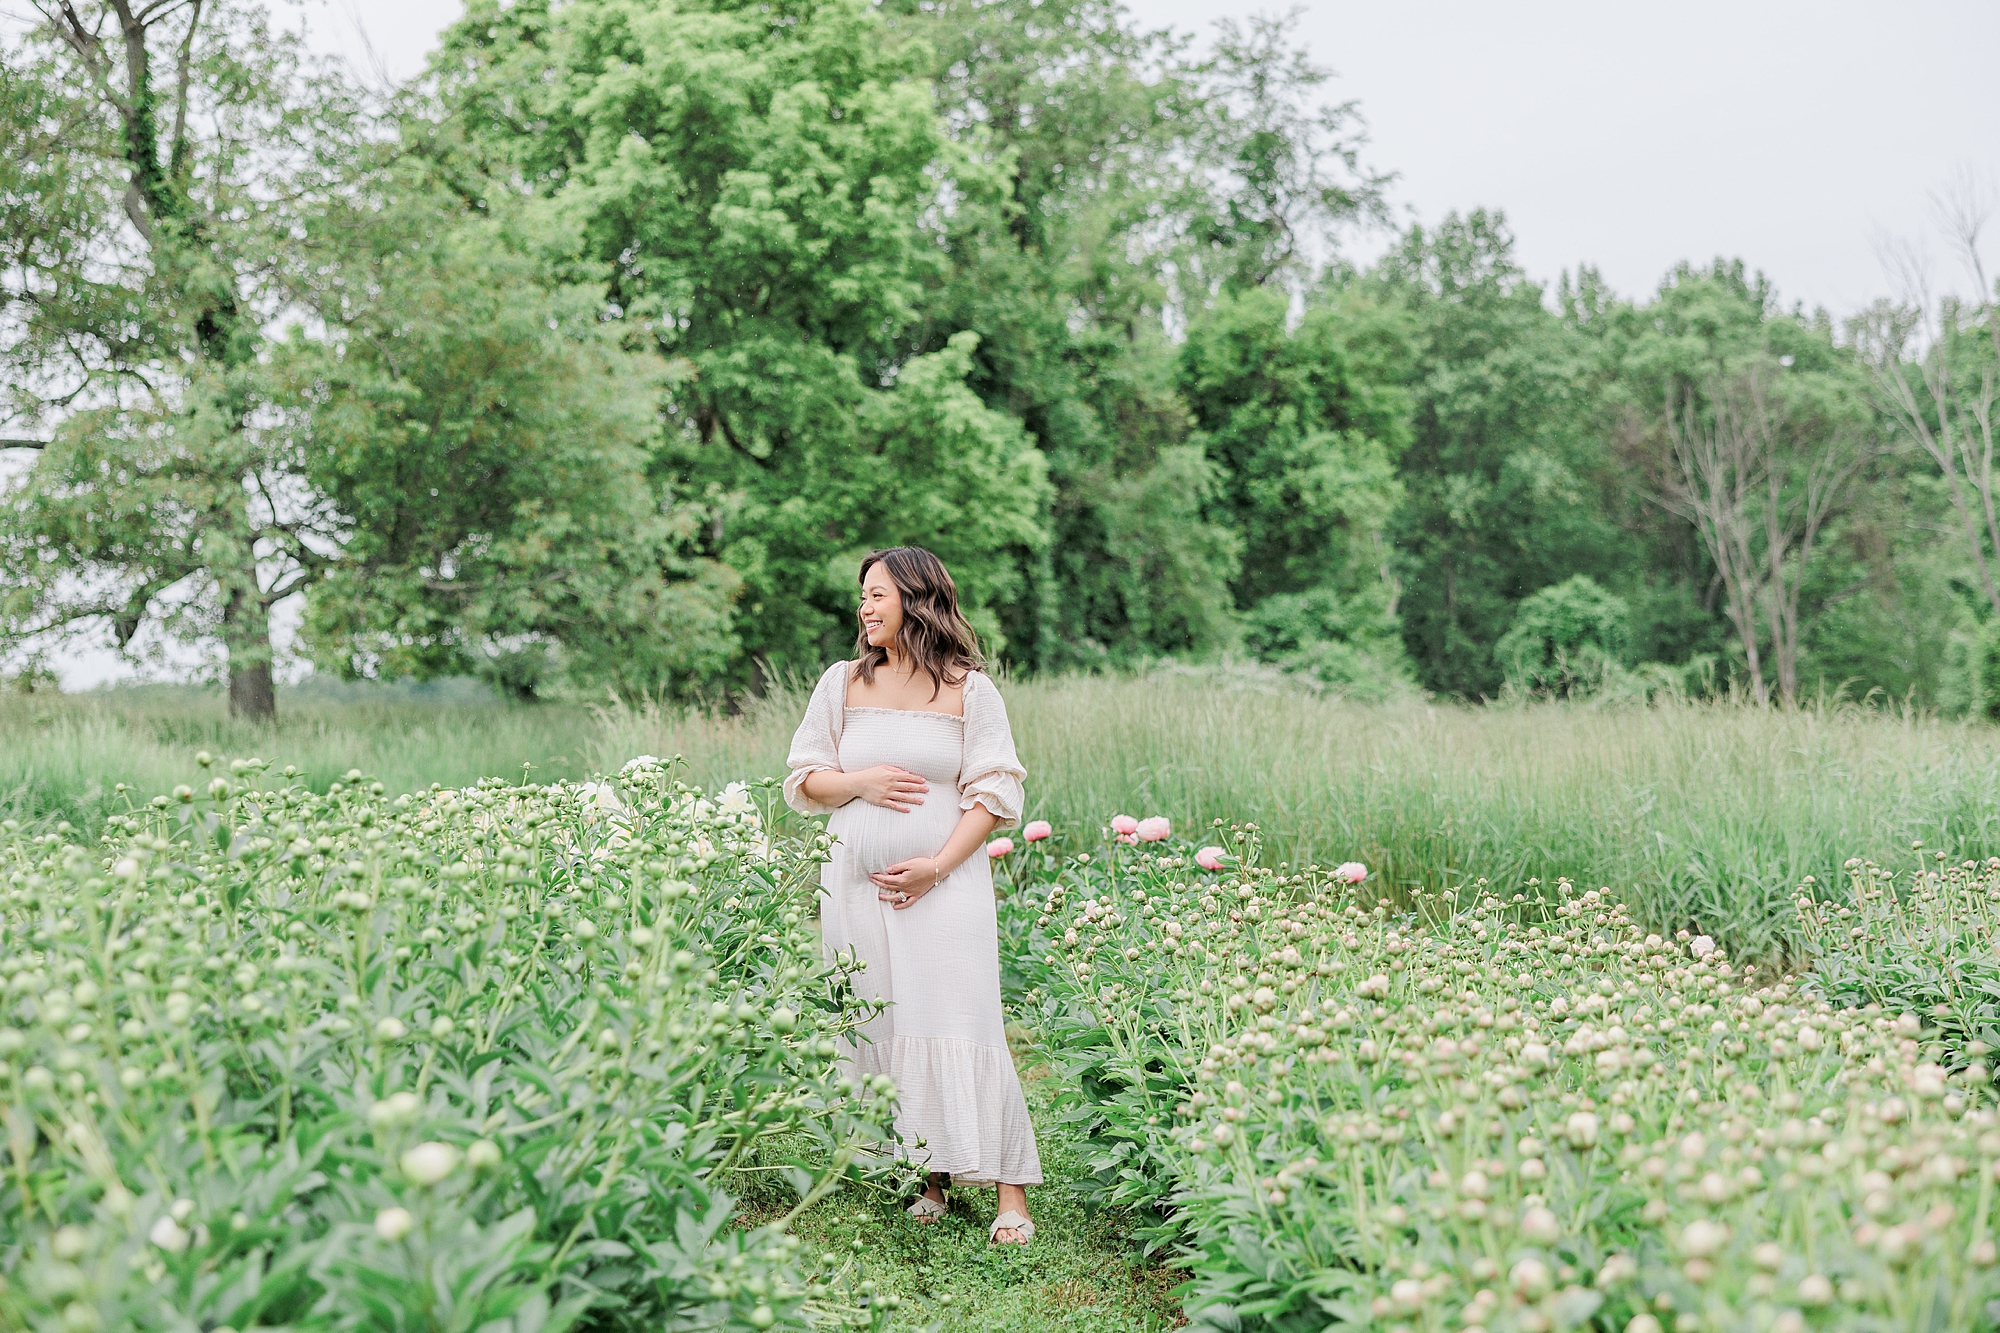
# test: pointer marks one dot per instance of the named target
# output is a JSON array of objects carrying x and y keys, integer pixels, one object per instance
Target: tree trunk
[{"x": 246, "y": 639}]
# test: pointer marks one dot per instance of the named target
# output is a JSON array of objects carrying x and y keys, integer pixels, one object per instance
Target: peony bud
[
  {"x": 1701, "y": 1238},
  {"x": 392, "y": 1224},
  {"x": 169, "y": 1235},
  {"x": 428, "y": 1163}
]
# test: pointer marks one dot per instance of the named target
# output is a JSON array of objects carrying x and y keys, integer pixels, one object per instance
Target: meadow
[
  {"x": 1700, "y": 814},
  {"x": 287, "y": 1042}
]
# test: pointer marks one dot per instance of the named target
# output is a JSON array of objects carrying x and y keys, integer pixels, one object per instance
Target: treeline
[{"x": 596, "y": 357}]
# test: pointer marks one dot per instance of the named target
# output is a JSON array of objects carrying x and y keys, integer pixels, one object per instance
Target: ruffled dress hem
[{"x": 963, "y": 1099}]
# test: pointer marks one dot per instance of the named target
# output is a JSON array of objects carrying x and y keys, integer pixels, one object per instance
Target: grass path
[{"x": 1080, "y": 1274}]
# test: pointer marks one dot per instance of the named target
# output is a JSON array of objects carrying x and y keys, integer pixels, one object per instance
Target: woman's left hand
[{"x": 906, "y": 881}]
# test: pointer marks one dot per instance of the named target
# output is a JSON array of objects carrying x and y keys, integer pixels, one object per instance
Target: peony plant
[
  {"x": 495, "y": 1057},
  {"x": 1516, "y": 1112}
]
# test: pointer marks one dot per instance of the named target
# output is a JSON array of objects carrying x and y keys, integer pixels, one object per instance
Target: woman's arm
[
  {"x": 884, "y": 785},
  {"x": 906, "y": 881}
]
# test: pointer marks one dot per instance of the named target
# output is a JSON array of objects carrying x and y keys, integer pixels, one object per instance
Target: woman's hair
[{"x": 934, "y": 635}]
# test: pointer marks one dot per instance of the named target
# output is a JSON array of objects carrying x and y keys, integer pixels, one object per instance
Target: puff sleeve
[
  {"x": 990, "y": 773},
  {"x": 816, "y": 744}
]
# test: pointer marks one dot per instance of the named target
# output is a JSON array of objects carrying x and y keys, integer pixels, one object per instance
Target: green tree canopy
[
  {"x": 765, "y": 187},
  {"x": 485, "y": 437}
]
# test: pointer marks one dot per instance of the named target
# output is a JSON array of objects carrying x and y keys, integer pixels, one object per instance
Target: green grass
[
  {"x": 1703, "y": 814},
  {"x": 1080, "y": 1274},
  {"x": 62, "y": 757}
]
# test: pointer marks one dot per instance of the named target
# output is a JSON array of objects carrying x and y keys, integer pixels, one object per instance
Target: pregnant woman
[{"x": 907, "y": 748}]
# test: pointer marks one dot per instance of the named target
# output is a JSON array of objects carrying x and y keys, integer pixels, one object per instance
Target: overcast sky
[{"x": 1794, "y": 136}]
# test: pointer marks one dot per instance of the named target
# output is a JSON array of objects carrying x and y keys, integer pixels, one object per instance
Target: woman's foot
[
  {"x": 934, "y": 1191},
  {"x": 1013, "y": 1199}
]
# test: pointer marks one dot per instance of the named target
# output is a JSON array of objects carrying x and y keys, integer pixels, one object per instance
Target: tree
[
  {"x": 1505, "y": 477},
  {"x": 1280, "y": 171},
  {"x": 1759, "y": 484},
  {"x": 136, "y": 284},
  {"x": 484, "y": 437},
  {"x": 1080, "y": 122},
  {"x": 762, "y": 187},
  {"x": 1303, "y": 429},
  {"x": 1757, "y": 433},
  {"x": 1935, "y": 366}
]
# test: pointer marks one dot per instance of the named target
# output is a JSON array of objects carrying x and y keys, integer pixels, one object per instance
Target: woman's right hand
[{"x": 890, "y": 787}]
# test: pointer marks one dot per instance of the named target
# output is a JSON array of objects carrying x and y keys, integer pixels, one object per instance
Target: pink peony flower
[
  {"x": 999, "y": 847},
  {"x": 1129, "y": 839},
  {"x": 1037, "y": 830},
  {"x": 1124, "y": 824},
  {"x": 1351, "y": 872},
  {"x": 1210, "y": 858},
  {"x": 1154, "y": 829}
]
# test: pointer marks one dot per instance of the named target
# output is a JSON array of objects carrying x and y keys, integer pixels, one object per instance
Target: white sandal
[
  {"x": 926, "y": 1208},
  {"x": 1011, "y": 1220}
]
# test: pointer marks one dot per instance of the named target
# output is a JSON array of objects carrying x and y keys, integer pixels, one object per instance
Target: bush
[
  {"x": 1565, "y": 639},
  {"x": 478, "y": 1059},
  {"x": 1352, "y": 650},
  {"x": 1519, "y": 1111}
]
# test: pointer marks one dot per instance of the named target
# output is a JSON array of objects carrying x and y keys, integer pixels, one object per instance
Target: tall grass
[
  {"x": 1704, "y": 814},
  {"x": 62, "y": 757}
]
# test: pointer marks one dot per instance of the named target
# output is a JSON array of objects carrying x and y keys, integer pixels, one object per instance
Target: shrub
[
  {"x": 1353, "y": 649},
  {"x": 466, "y": 1059},
  {"x": 1511, "y": 1111},
  {"x": 1565, "y": 638}
]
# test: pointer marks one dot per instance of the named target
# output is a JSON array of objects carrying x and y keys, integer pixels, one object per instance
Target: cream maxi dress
[{"x": 936, "y": 962}]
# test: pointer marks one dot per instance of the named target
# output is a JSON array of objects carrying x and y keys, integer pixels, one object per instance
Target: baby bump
[{"x": 873, "y": 838}]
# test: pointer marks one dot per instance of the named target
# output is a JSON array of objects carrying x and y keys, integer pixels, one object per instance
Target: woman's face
[{"x": 881, "y": 607}]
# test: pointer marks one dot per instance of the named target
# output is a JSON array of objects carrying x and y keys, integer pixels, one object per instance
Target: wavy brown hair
[{"x": 935, "y": 634}]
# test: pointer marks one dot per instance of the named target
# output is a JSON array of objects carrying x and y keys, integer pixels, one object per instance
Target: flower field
[
  {"x": 464, "y": 1059},
  {"x": 1504, "y": 1109},
  {"x": 536, "y": 1057}
]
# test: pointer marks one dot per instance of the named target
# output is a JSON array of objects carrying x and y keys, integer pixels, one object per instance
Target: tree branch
[{"x": 177, "y": 151}]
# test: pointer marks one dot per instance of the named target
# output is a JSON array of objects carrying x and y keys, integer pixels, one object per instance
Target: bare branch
[
  {"x": 177, "y": 151},
  {"x": 1760, "y": 486}
]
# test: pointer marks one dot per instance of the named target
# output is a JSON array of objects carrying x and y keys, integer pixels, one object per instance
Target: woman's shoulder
[
  {"x": 831, "y": 687},
  {"x": 979, "y": 685}
]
